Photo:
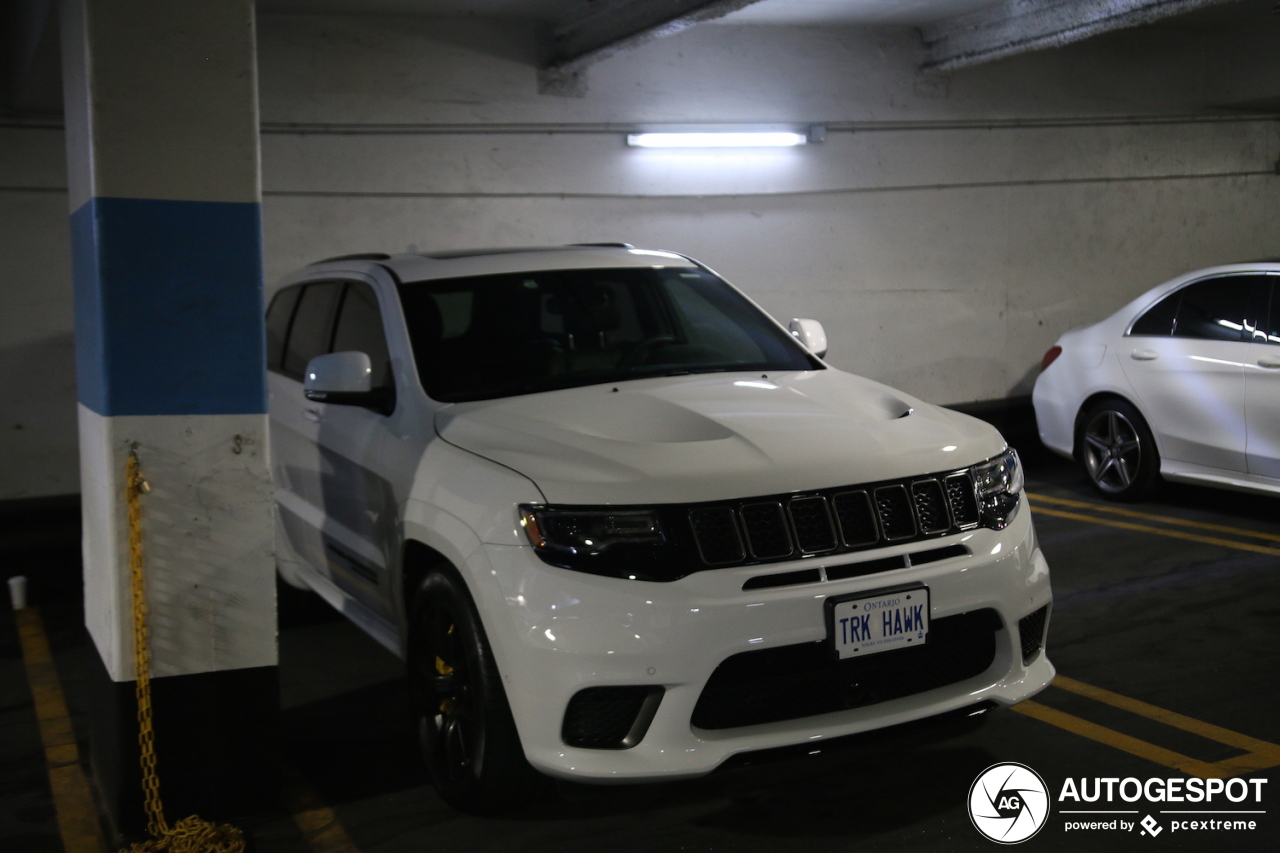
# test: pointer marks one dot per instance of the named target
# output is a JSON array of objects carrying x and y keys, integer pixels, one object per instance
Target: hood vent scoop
[{"x": 893, "y": 408}]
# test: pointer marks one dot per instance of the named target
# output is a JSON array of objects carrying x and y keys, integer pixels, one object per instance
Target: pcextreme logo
[{"x": 1008, "y": 803}]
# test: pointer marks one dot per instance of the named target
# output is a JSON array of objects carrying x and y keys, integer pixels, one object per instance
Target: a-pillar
[{"x": 163, "y": 171}]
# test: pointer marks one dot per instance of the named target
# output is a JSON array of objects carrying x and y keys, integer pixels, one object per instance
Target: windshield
[{"x": 499, "y": 335}]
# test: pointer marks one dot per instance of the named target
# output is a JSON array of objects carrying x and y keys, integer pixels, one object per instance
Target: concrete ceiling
[
  {"x": 538, "y": 10},
  {"x": 579, "y": 33},
  {"x": 956, "y": 33},
  {"x": 780, "y": 12},
  {"x": 856, "y": 12}
]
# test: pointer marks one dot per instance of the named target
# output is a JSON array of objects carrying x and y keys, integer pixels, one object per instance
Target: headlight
[
  {"x": 999, "y": 486},
  {"x": 628, "y": 542}
]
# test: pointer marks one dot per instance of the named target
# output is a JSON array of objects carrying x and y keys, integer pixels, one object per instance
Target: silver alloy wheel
[{"x": 1112, "y": 451}]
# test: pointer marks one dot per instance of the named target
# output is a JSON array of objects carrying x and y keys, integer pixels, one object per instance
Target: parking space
[{"x": 1163, "y": 632}]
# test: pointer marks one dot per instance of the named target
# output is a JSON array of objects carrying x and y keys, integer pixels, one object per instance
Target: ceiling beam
[
  {"x": 607, "y": 27},
  {"x": 1018, "y": 26}
]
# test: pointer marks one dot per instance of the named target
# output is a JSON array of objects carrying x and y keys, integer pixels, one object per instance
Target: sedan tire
[{"x": 1117, "y": 451}]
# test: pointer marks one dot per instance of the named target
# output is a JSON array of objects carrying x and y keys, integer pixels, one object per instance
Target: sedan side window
[
  {"x": 1159, "y": 318},
  {"x": 1268, "y": 332},
  {"x": 312, "y": 326},
  {"x": 1221, "y": 308},
  {"x": 359, "y": 328}
]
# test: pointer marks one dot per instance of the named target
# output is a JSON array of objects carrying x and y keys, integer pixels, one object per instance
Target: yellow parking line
[
  {"x": 1159, "y": 531},
  {"x": 72, "y": 800},
  {"x": 1171, "y": 718},
  {"x": 1259, "y": 754},
  {"x": 1115, "y": 739},
  {"x": 1167, "y": 519},
  {"x": 319, "y": 825}
]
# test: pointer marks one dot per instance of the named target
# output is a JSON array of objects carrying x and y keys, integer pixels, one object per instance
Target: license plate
[{"x": 879, "y": 622}]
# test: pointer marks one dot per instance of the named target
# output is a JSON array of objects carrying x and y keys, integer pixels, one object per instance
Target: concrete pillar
[{"x": 162, "y": 151}]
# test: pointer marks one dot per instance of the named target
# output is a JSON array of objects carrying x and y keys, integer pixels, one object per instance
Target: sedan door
[
  {"x": 1262, "y": 391},
  {"x": 1189, "y": 374}
]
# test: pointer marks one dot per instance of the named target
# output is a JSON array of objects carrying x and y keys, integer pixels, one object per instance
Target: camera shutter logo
[{"x": 1008, "y": 803}]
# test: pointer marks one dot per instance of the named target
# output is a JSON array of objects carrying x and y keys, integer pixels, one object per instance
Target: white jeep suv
[{"x": 623, "y": 525}]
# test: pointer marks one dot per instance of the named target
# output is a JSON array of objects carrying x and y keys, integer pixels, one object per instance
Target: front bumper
[{"x": 555, "y": 632}]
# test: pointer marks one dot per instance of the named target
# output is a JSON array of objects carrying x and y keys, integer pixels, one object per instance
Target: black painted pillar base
[{"x": 216, "y": 737}]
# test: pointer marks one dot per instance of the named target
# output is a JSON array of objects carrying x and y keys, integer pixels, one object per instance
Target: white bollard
[{"x": 18, "y": 591}]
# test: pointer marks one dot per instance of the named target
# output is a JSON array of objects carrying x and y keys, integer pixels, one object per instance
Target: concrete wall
[{"x": 946, "y": 232}]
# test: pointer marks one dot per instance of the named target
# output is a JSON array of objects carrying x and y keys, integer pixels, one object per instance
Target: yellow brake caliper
[{"x": 446, "y": 705}]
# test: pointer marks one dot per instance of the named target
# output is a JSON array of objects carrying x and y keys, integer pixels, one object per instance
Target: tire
[
  {"x": 465, "y": 728},
  {"x": 1117, "y": 451}
]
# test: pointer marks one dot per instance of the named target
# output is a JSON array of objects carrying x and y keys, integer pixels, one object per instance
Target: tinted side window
[
  {"x": 1159, "y": 318},
  {"x": 359, "y": 328},
  {"x": 1269, "y": 331},
  {"x": 278, "y": 317},
  {"x": 312, "y": 326},
  {"x": 1220, "y": 308}
]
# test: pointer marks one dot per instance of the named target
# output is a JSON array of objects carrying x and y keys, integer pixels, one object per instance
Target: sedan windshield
[{"x": 500, "y": 335}]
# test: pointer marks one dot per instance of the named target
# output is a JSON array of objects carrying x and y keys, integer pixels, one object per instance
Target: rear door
[
  {"x": 1185, "y": 358},
  {"x": 1262, "y": 390}
]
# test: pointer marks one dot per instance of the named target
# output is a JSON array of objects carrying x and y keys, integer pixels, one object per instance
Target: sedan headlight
[
  {"x": 628, "y": 542},
  {"x": 999, "y": 487}
]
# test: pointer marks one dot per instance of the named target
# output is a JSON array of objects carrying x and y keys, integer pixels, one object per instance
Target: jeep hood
[{"x": 715, "y": 436}]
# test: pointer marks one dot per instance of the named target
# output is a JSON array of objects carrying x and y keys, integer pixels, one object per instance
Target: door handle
[
  {"x": 1144, "y": 355},
  {"x": 1270, "y": 361},
  {"x": 311, "y": 415}
]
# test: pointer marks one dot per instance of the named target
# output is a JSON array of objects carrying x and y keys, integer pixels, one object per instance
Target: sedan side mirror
[
  {"x": 811, "y": 334},
  {"x": 345, "y": 378}
]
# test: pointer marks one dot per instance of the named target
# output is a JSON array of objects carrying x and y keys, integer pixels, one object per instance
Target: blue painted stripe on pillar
[{"x": 168, "y": 307}]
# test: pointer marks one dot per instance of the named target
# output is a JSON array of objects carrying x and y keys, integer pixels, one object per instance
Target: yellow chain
[{"x": 191, "y": 834}]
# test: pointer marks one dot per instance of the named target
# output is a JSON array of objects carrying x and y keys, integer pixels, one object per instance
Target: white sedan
[{"x": 1181, "y": 383}]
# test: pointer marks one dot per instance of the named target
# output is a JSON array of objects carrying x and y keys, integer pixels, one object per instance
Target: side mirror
[
  {"x": 345, "y": 378},
  {"x": 811, "y": 334}
]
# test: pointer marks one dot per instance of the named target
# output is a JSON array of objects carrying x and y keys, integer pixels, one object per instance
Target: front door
[{"x": 1262, "y": 392}]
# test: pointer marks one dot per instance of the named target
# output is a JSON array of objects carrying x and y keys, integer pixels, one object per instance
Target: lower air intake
[
  {"x": 610, "y": 717},
  {"x": 804, "y": 680},
  {"x": 1031, "y": 630}
]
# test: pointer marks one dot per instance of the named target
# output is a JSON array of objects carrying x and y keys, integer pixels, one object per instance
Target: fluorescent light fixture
[{"x": 736, "y": 139}]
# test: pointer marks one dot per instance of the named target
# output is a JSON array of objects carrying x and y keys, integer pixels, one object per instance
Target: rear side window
[
  {"x": 1221, "y": 308},
  {"x": 278, "y": 317},
  {"x": 312, "y": 326},
  {"x": 359, "y": 328},
  {"x": 1159, "y": 318}
]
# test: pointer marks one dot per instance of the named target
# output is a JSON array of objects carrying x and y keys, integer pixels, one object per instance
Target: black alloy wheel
[
  {"x": 465, "y": 728},
  {"x": 1117, "y": 451}
]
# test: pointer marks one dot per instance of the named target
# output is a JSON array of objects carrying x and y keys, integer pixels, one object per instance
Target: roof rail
[
  {"x": 359, "y": 256},
  {"x": 606, "y": 245}
]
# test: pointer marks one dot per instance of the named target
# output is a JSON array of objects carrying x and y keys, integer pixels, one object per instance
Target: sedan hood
[{"x": 717, "y": 436}]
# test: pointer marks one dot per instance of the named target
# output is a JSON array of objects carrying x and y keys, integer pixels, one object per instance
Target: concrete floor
[{"x": 1188, "y": 626}]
